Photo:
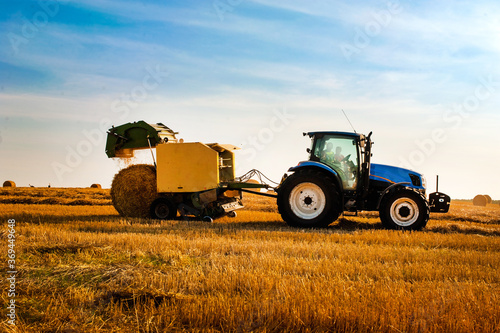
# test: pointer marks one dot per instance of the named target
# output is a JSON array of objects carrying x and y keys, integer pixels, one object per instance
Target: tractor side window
[
  {"x": 341, "y": 155},
  {"x": 318, "y": 151}
]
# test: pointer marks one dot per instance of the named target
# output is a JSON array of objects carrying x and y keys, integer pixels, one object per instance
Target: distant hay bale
[
  {"x": 253, "y": 181},
  {"x": 134, "y": 189},
  {"x": 488, "y": 199},
  {"x": 96, "y": 186},
  {"x": 480, "y": 200},
  {"x": 9, "y": 183}
]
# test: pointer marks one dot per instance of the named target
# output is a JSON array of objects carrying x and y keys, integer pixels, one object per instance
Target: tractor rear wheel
[
  {"x": 404, "y": 210},
  {"x": 163, "y": 209},
  {"x": 309, "y": 199}
]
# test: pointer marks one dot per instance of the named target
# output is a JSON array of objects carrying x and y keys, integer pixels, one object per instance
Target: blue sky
[{"x": 423, "y": 76}]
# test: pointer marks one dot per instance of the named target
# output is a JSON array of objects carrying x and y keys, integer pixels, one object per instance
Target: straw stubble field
[{"x": 83, "y": 268}]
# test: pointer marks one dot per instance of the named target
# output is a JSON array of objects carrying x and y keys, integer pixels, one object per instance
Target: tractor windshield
[{"x": 341, "y": 154}]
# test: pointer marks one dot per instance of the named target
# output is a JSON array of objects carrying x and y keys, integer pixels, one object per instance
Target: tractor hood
[{"x": 393, "y": 175}]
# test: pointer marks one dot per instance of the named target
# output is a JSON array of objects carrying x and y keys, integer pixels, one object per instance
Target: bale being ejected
[{"x": 196, "y": 180}]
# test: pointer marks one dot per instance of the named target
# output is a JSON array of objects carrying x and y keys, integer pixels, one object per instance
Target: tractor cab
[{"x": 348, "y": 154}]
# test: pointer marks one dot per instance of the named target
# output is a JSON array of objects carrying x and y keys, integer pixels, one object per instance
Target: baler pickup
[{"x": 123, "y": 140}]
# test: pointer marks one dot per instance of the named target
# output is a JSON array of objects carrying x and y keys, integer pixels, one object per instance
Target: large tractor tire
[
  {"x": 404, "y": 210},
  {"x": 309, "y": 199}
]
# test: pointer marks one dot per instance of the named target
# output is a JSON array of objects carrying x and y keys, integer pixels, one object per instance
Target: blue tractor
[{"x": 338, "y": 178}]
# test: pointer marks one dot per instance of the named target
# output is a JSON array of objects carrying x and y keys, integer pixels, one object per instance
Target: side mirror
[{"x": 308, "y": 150}]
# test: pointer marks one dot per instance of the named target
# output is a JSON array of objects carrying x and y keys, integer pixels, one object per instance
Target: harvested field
[
  {"x": 55, "y": 196},
  {"x": 85, "y": 268}
]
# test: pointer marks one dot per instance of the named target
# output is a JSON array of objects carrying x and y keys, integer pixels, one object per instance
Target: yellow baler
[
  {"x": 193, "y": 166},
  {"x": 193, "y": 178}
]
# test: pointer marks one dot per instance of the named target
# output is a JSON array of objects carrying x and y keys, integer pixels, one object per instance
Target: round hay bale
[
  {"x": 253, "y": 181},
  {"x": 9, "y": 183},
  {"x": 488, "y": 199},
  {"x": 96, "y": 186},
  {"x": 480, "y": 200},
  {"x": 134, "y": 189}
]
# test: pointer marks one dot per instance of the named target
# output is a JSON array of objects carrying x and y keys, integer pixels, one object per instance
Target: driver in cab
[
  {"x": 338, "y": 161},
  {"x": 332, "y": 157}
]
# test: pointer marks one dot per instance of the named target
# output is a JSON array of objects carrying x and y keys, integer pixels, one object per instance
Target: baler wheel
[{"x": 163, "y": 209}]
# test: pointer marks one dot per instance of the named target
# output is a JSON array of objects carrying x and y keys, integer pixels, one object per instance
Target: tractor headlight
[
  {"x": 424, "y": 182},
  {"x": 417, "y": 180}
]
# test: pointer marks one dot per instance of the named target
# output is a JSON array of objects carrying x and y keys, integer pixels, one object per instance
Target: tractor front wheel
[
  {"x": 404, "y": 210},
  {"x": 309, "y": 199}
]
